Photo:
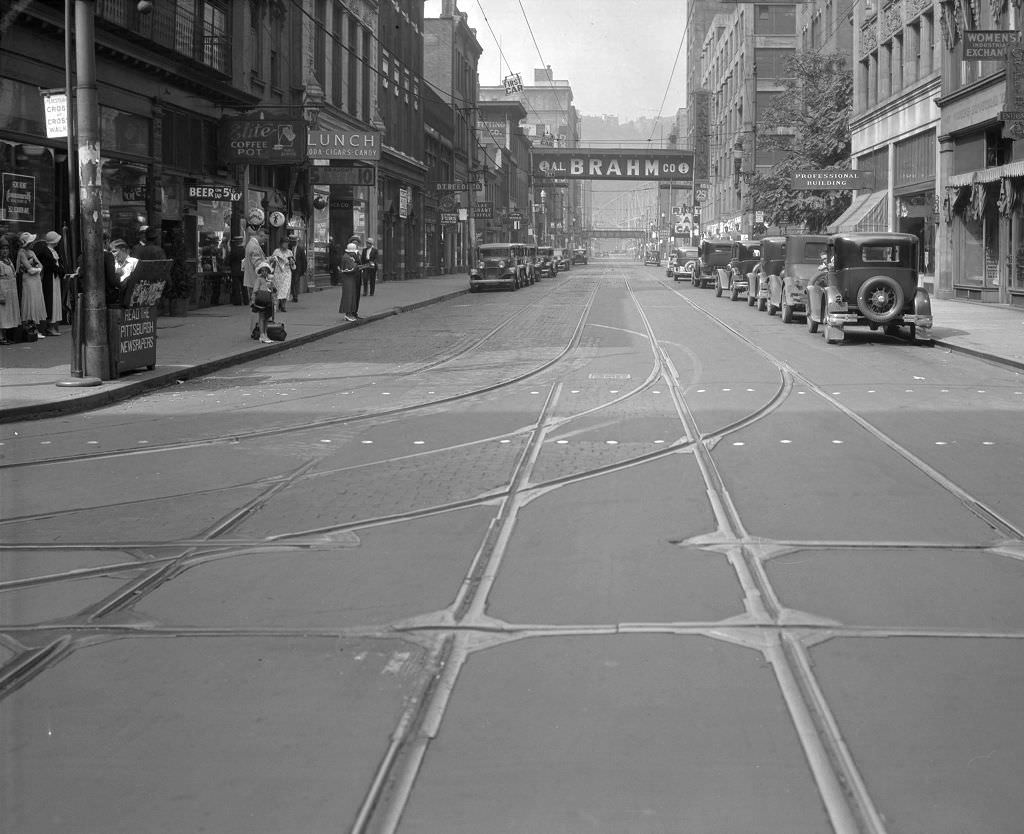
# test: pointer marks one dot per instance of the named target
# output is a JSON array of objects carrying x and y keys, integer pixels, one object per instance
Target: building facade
[{"x": 979, "y": 211}]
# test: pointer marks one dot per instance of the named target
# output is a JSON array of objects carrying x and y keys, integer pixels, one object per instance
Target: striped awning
[
  {"x": 867, "y": 213},
  {"x": 1011, "y": 169}
]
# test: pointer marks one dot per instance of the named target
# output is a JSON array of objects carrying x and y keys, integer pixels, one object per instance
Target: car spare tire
[{"x": 880, "y": 299}]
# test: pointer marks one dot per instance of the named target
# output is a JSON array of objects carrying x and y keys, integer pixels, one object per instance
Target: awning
[
  {"x": 867, "y": 213},
  {"x": 1011, "y": 169}
]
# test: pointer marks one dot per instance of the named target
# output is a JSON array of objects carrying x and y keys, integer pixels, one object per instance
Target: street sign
[{"x": 55, "y": 108}]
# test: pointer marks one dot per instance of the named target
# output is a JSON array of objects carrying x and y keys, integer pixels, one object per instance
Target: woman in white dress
[
  {"x": 10, "y": 308},
  {"x": 283, "y": 261},
  {"x": 33, "y": 303}
]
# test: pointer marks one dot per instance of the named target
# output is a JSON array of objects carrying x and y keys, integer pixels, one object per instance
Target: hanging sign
[
  {"x": 513, "y": 84},
  {"x": 404, "y": 201},
  {"x": 55, "y": 108},
  {"x": 343, "y": 144},
  {"x": 483, "y": 211},
  {"x": 263, "y": 141},
  {"x": 988, "y": 45},
  {"x": 343, "y": 175}
]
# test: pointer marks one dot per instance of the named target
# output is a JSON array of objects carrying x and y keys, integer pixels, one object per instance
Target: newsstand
[{"x": 131, "y": 327}]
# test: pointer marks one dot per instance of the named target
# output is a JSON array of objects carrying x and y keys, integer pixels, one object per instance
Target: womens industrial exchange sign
[{"x": 583, "y": 164}]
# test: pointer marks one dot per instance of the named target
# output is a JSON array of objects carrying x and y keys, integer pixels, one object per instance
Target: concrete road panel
[{"x": 625, "y": 733}]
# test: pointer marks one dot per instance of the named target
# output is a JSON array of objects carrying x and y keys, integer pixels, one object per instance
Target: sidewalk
[
  {"x": 199, "y": 343},
  {"x": 215, "y": 337}
]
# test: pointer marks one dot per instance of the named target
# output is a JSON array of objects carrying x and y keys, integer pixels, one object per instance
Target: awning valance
[
  {"x": 867, "y": 213},
  {"x": 1011, "y": 169}
]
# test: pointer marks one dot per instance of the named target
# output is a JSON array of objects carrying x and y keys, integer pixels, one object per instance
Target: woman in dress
[
  {"x": 283, "y": 261},
  {"x": 10, "y": 308},
  {"x": 33, "y": 303}
]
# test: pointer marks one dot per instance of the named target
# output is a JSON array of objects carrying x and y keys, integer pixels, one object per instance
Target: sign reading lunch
[
  {"x": 582, "y": 164},
  {"x": 343, "y": 144}
]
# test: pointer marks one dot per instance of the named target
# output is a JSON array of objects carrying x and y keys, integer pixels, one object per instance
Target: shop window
[{"x": 998, "y": 151}]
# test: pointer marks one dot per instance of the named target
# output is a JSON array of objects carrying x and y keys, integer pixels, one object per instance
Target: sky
[{"x": 617, "y": 55}]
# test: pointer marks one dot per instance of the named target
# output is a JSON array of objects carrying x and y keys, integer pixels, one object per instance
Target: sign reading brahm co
[{"x": 582, "y": 164}]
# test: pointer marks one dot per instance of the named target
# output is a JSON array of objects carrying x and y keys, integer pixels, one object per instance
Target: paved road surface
[{"x": 606, "y": 554}]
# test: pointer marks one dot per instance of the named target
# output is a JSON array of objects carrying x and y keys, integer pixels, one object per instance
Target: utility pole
[{"x": 97, "y": 350}]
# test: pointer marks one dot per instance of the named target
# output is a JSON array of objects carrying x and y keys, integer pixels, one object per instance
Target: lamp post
[{"x": 543, "y": 212}]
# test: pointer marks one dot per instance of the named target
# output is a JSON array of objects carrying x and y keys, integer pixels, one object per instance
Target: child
[{"x": 263, "y": 299}]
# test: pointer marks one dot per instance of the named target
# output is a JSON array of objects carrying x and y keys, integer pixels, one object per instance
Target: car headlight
[
  {"x": 501, "y": 264},
  {"x": 480, "y": 266}
]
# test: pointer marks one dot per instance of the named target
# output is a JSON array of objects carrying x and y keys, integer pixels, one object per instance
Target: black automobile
[
  {"x": 579, "y": 256},
  {"x": 715, "y": 254},
  {"x": 870, "y": 280},
  {"x": 547, "y": 265},
  {"x": 500, "y": 265},
  {"x": 805, "y": 258},
  {"x": 735, "y": 278}
]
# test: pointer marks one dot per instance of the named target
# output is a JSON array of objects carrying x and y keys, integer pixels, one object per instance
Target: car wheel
[
  {"x": 812, "y": 325},
  {"x": 762, "y": 304},
  {"x": 751, "y": 300},
  {"x": 880, "y": 299},
  {"x": 734, "y": 294},
  {"x": 718, "y": 288},
  {"x": 787, "y": 313}
]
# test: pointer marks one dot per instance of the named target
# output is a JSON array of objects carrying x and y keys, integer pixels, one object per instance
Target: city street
[{"x": 603, "y": 554}]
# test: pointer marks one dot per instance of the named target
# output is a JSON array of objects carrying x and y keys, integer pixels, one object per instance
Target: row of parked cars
[
  {"x": 514, "y": 265},
  {"x": 833, "y": 282}
]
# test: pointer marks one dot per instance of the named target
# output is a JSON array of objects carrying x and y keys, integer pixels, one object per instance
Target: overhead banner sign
[
  {"x": 584, "y": 164},
  {"x": 343, "y": 144},
  {"x": 831, "y": 179},
  {"x": 988, "y": 45}
]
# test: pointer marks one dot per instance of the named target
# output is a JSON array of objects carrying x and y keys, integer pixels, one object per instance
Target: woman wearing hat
[
  {"x": 30, "y": 271},
  {"x": 53, "y": 271},
  {"x": 350, "y": 283}
]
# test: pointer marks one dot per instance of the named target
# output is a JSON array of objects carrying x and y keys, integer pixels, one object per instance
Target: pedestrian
[
  {"x": 349, "y": 270},
  {"x": 151, "y": 250},
  {"x": 301, "y": 264},
  {"x": 53, "y": 273},
  {"x": 236, "y": 255},
  {"x": 368, "y": 264},
  {"x": 143, "y": 234},
  {"x": 30, "y": 273},
  {"x": 252, "y": 257},
  {"x": 10, "y": 307},
  {"x": 283, "y": 264},
  {"x": 263, "y": 298},
  {"x": 124, "y": 263}
]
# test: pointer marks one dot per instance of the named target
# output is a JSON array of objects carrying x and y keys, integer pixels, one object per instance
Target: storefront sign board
[
  {"x": 18, "y": 204},
  {"x": 343, "y": 175},
  {"x": 216, "y": 193},
  {"x": 343, "y": 144},
  {"x": 584, "y": 164},
  {"x": 449, "y": 217},
  {"x": 404, "y": 202},
  {"x": 263, "y": 141},
  {"x": 831, "y": 179},
  {"x": 483, "y": 211}
]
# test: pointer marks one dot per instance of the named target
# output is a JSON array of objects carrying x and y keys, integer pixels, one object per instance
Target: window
[
  {"x": 385, "y": 68},
  {"x": 320, "y": 40},
  {"x": 337, "y": 58},
  {"x": 352, "y": 97},
  {"x": 771, "y": 63}
]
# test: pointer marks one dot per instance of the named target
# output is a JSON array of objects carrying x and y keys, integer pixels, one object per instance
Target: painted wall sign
[
  {"x": 272, "y": 141},
  {"x": 584, "y": 164},
  {"x": 988, "y": 45},
  {"x": 217, "y": 193},
  {"x": 343, "y": 144}
]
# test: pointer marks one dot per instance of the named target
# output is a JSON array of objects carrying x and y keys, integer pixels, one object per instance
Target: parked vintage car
[
  {"x": 734, "y": 278},
  {"x": 500, "y": 265},
  {"x": 546, "y": 265},
  {"x": 773, "y": 256},
  {"x": 684, "y": 264},
  {"x": 871, "y": 280},
  {"x": 563, "y": 260},
  {"x": 579, "y": 256},
  {"x": 714, "y": 254},
  {"x": 805, "y": 255},
  {"x": 652, "y": 258}
]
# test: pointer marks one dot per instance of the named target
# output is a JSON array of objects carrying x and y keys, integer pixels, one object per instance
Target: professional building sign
[
  {"x": 988, "y": 45},
  {"x": 343, "y": 144},
  {"x": 263, "y": 141},
  {"x": 18, "y": 204},
  {"x": 831, "y": 179},
  {"x": 583, "y": 164}
]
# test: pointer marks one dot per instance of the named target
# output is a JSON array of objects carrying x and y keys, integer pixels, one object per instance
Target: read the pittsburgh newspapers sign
[{"x": 585, "y": 164}]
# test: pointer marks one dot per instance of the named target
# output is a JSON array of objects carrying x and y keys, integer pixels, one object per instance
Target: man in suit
[{"x": 368, "y": 267}]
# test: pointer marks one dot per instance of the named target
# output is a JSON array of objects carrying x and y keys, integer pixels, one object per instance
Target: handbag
[
  {"x": 276, "y": 331},
  {"x": 262, "y": 300}
]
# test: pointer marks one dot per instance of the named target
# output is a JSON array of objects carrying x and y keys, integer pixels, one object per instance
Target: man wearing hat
[
  {"x": 151, "y": 250},
  {"x": 368, "y": 267},
  {"x": 53, "y": 273},
  {"x": 350, "y": 283},
  {"x": 123, "y": 262}
]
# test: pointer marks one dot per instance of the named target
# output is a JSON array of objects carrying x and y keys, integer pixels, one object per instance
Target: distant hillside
[{"x": 608, "y": 131}]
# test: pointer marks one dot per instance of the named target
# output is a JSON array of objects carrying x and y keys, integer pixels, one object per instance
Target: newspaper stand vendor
[{"x": 131, "y": 327}]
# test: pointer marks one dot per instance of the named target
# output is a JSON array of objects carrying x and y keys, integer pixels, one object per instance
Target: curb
[{"x": 169, "y": 377}]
